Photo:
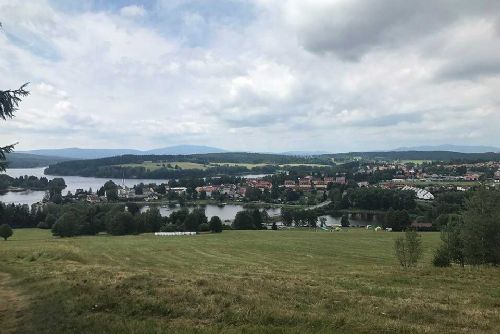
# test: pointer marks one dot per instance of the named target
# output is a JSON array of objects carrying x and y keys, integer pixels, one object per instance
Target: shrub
[
  {"x": 5, "y": 231},
  {"x": 121, "y": 223},
  {"x": 204, "y": 227},
  {"x": 408, "y": 248},
  {"x": 50, "y": 220},
  {"x": 43, "y": 225},
  {"x": 169, "y": 228},
  {"x": 244, "y": 221},
  {"x": 344, "y": 222},
  {"x": 441, "y": 258},
  {"x": 65, "y": 226},
  {"x": 215, "y": 224}
]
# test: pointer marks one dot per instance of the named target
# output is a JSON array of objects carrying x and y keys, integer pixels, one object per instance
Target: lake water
[
  {"x": 355, "y": 220},
  {"x": 225, "y": 213},
  {"x": 72, "y": 183}
]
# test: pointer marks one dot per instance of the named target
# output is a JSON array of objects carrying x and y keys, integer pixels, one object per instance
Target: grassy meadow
[
  {"x": 151, "y": 166},
  {"x": 237, "y": 281}
]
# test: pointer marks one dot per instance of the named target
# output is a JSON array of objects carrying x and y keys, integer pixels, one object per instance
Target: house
[
  {"x": 328, "y": 179},
  {"x": 93, "y": 198},
  {"x": 242, "y": 191},
  {"x": 207, "y": 189},
  {"x": 340, "y": 180},
  {"x": 471, "y": 177},
  {"x": 228, "y": 189},
  {"x": 178, "y": 190},
  {"x": 420, "y": 193},
  {"x": 320, "y": 184},
  {"x": 290, "y": 184},
  {"x": 363, "y": 184},
  {"x": 260, "y": 184},
  {"x": 305, "y": 183}
]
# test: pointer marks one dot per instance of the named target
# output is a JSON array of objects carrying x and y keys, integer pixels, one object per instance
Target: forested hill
[
  {"x": 25, "y": 160},
  {"x": 417, "y": 155},
  {"x": 174, "y": 166}
]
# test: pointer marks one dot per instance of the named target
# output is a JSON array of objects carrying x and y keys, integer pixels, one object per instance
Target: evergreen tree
[{"x": 9, "y": 102}]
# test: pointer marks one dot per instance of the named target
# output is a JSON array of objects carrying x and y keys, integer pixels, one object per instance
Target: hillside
[
  {"x": 89, "y": 153},
  {"x": 416, "y": 155},
  {"x": 25, "y": 160},
  {"x": 452, "y": 148},
  {"x": 174, "y": 166}
]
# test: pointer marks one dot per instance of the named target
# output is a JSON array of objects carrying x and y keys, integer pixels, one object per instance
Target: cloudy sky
[{"x": 255, "y": 75}]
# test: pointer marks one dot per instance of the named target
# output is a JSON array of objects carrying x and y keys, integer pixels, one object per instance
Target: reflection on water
[
  {"x": 22, "y": 197},
  {"x": 355, "y": 220},
  {"x": 225, "y": 213}
]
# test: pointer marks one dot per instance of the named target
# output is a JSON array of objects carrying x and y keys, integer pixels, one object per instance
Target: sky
[{"x": 252, "y": 75}]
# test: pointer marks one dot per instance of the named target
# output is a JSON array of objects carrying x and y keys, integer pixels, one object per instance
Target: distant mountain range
[
  {"x": 451, "y": 148},
  {"x": 89, "y": 153},
  {"x": 26, "y": 160},
  {"x": 305, "y": 153}
]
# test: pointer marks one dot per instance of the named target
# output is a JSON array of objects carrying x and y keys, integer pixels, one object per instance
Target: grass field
[
  {"x": 237, "y": 281},
  {"x": 239, "y": 164},
  {"x": 416, "y": 162},
  {"x": 148, "y": 165}
]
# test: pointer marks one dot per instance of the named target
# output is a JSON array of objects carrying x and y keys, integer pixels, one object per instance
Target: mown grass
[{"x": 243, "y": 281}]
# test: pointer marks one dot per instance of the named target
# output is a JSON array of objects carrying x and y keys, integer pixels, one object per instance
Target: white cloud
[
  {"x": 327, "y": 75},
  {"x": 133, "y": 11}
]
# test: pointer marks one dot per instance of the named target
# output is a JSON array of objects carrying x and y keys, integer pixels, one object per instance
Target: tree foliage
[
  {"x": 5, "y": 231},
  {"x": 408, "y": 248},
  {"x": 9, "y": 103},
  {"x": 215, "y": 224},
  {"x": 475, "y": 239}
]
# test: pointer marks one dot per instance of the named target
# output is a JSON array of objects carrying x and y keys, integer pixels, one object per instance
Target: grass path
[{"x": 12, "y": 305}]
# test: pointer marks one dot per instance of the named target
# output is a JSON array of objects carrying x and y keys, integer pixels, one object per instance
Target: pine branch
[
  {"x": 9, "y": 101},
  {"x": 3, "y": 151}
]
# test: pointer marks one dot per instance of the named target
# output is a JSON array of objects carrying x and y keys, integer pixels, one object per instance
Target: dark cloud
[
  {"x": 469, "y": 70},
  {"x": 352, "y": 29}
]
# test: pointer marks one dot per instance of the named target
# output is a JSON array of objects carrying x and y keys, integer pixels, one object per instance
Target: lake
[
  {"x": 225, "y": 213},
  {"x": 72, "y": 183},
  {"x": 356, "y": 220}
]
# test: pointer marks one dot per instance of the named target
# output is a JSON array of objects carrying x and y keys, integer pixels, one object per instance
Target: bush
[
  {"x": 344, "y": 222},
  {"x": 5, "y": 231},
  {"x": 215, "y": 224},
  {"x": 169, "y": 228},
  {"x": 408, "y": 248},
  {"x": 204, "y": 227},
  {"x": 65, "y": 226},
  {"x": 121, "y": 223},
  {"x": 244, "y": 221},
  {"x": 50, "y": 220},
  {"x": 441, "y": 258},
  {"x": 43, "y": 225}
]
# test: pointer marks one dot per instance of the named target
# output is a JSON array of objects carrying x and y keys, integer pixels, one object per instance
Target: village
[{"x": 421, "y": 178}]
